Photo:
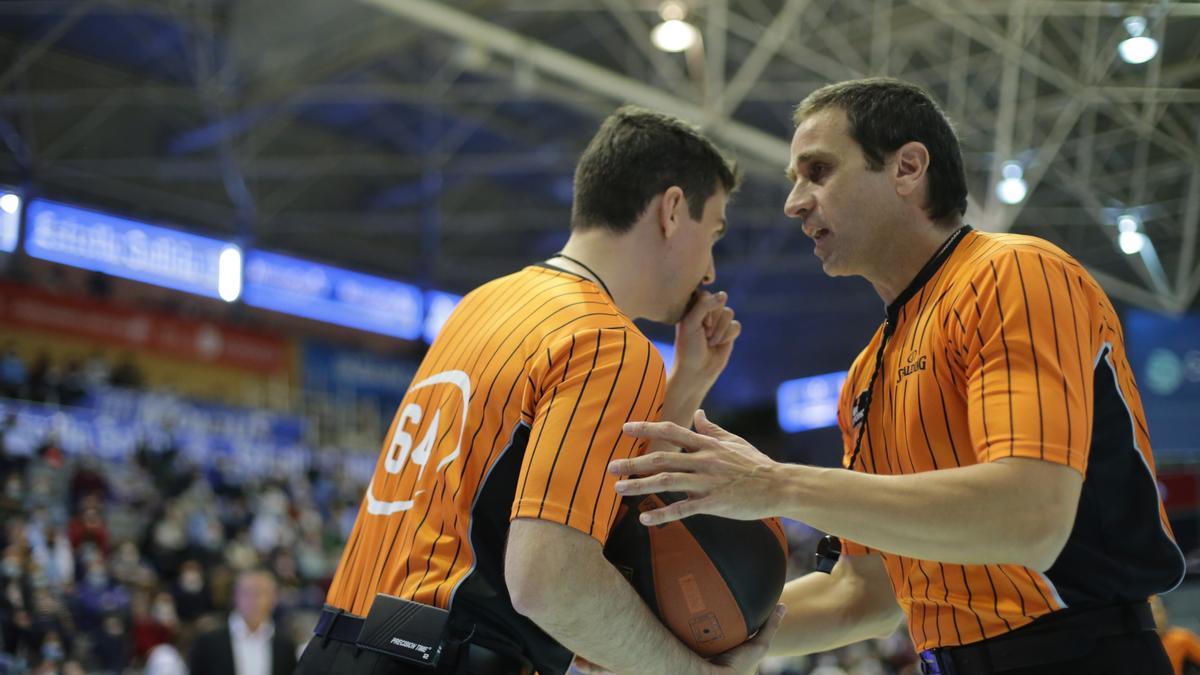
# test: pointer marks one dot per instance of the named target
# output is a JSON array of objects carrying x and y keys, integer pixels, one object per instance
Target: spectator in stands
[
  {"x": 44, "y": 380},
  {"x": 12, "y": 373},
  {"x": 153, "y": 621},
  {"x": 12, "y": 499},
  {"x": 96, "y": 370},
  {"x": 249, "y": 644},
  {"x": 47, "y": 477},
  {"x": 112, "y": 649},
  {"x": 51, "y": 551},
  {"x": 89, "y": 528},
  {"x": 191, "y": 591},
  {"x": 168, "y": 540},
  {"x": 126, "y": 373},
  {"x": 96, "y": 596},
  {"x": 87, "y": 481},
  {"x": 72, "y": 386}
]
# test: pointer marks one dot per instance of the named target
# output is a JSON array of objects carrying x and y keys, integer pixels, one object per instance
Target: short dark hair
[
  {"x": 884, "y": 114},
  {"x": 638, "y": 154}
]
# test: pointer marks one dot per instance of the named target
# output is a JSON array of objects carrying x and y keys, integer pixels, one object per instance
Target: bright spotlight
[
  {"x": 10, "y": 203},
  {"x": 674, "y": 35},
  {"x": 1128, "y": 223},
  {"x": 1012, "y": 189},
  {"x": 229, "y": 273},
  {"x": 1132, "y": 242},
  {"x": 1138, "y": 47}
]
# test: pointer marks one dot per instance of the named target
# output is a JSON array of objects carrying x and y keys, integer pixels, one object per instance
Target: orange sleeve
[
  {"x": 589, "y": 385},
  {"x": 1026, "y": 341}
]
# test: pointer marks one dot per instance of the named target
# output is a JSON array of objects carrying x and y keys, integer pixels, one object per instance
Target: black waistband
[
  {"x": 1071, "y": 634},
  {"x": 335, "y": 624}
]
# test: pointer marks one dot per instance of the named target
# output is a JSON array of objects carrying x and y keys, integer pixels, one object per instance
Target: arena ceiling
[{"x": 434, "y": 141}]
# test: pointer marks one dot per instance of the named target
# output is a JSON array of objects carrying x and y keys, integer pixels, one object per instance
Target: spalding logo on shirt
[{"x": 915, "y": 363}]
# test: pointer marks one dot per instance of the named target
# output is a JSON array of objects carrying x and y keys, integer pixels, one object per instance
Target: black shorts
[
  {"x": 1114, "y": 640},
  {"x": 1134, "y": 653}
]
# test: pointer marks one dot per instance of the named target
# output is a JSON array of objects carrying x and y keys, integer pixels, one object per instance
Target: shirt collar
[
  {"x": 237, "y": 625},
  {"x": 927, "y": 272}
]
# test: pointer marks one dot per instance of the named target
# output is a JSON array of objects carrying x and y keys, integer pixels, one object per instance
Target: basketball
[{"x": 712, "y": 581}]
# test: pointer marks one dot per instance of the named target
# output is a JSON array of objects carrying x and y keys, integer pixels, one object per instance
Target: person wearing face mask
[
  {"x": 191, "y": 591},
  {"x": 250, "y": 643},
  {"x": 489, "y": 505}
]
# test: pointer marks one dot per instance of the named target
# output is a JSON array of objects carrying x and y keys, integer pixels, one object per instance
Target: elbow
[
  {"x": 888, "y": 624},
  {"x": 883, "y": 621},
  {"x": 1044, "y": 552},
  {"x": 527, "y": 591},
  {"x": 1045, "y": 539}
]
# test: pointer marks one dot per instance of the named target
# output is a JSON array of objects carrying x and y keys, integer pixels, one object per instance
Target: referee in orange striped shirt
[
  {"x": 478, "y": 544},
  {"x": 999, "y": 488}
]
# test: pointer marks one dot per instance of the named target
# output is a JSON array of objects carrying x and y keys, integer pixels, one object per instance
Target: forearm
[
  {"x": 827, "y": 611},
  {"x": 683, "y": 397},
  {"x": 980, "y": 514},
  {"x": 587, "y": 606}
]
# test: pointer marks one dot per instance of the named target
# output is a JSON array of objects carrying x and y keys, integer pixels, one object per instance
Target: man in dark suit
[{"x": 249, "y": 644}]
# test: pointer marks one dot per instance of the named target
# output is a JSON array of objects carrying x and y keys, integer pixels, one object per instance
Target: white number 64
[{"x": 402, "y": 441}]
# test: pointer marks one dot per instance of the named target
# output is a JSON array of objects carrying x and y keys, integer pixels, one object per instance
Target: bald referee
[
  {"x": 999, "y": 488},
  {"x": 478, "y": 545}
]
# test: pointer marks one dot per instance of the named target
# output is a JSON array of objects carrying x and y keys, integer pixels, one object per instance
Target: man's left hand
[{"x": 720, "y": 472}]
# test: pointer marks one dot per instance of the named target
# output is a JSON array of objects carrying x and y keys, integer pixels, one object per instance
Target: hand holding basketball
[{"x": 744, "y": 658}]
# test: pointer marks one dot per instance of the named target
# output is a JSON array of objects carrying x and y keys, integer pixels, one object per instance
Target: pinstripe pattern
[
  {"x": 989, "y": 360},
  {"x": 541, "y": 348}
]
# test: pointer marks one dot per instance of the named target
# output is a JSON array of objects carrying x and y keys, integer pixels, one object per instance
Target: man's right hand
[{"x": 744, "y": 659}]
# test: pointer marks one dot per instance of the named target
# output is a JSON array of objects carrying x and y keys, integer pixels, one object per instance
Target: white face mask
[
  {"x": 163, "y": 612},
  {"x": 97, "y": 578},
  {"x": 191, "y": 582},
  {"x": 52, "y": 651}
]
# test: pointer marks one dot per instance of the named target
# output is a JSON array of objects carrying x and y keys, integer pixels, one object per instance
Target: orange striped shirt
[
  {"x": 515, "y": 412},
  {"x": 1006, "y": 347}
]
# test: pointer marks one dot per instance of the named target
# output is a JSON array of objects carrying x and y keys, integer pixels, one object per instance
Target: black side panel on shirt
[
  {"x": 1118, "y": 549},
  {"x": 483, "y": 600}
]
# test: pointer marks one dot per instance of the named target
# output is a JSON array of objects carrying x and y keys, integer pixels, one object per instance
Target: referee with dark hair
[
  {"x": 998, "y": 488},
  {"x": 478, "y": 546}
]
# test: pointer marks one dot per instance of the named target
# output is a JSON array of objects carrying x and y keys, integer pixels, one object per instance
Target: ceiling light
[
  {"x": 1012, "y": 189},
  {"x": 1128, "y": 223},
  {"x": 1138, "y": 47},
  {"x": 674, "y": 35},
  {"x": 672, "y": 10},
  {"x": 1132, "y": 242}
]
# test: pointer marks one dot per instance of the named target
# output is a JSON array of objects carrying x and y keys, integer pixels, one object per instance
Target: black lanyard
[
  {"x": 862, "y": 404},
  {"x": 600, "y": 281}
]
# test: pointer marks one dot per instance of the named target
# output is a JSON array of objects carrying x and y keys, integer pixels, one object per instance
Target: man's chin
[
  {"x": 673, "y": 316},
  {"x": 833, "y": 268}
]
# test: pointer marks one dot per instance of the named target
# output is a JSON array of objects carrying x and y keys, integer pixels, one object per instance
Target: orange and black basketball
[{"x": 712, "y": 581}]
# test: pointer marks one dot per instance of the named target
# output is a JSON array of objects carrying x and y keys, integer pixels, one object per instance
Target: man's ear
[
  {"x": 911, "y": 168},
  {"x": 671, "y": 207}
]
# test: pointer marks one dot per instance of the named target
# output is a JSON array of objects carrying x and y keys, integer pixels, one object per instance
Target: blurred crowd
[
  {"x": 47, "y": 381},
  {"x": 110, "y": 567},
  {"x": 122, "y": 567}
]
